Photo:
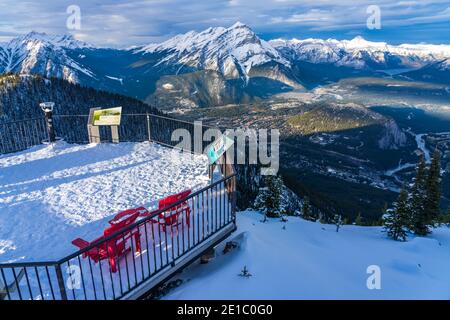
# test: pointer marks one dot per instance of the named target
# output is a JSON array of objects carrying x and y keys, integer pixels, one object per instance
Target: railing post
[
  {"x": 148, "y": 127},
  {"x": 61, "y": 284}
]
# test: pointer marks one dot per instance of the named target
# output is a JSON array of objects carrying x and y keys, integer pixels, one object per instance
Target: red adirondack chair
[
  {"x": 114, "y": 248},
  {"x": 119, "y": 218},
  {"x": 172, "y": 217}
]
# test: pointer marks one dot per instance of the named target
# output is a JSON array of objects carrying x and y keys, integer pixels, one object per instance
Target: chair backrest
[
  {"x": 121, "y": 224},
  {"x": 173, "y": 199},
  {"x": 127, "y": 213}
]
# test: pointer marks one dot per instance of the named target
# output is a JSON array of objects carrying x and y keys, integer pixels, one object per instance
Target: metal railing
[
  {"x": 22, "y": 134},
  {"x": 77, "y": 277},
  {"x": 19, "y": 135},
  {"x": 212, "y": 216}
]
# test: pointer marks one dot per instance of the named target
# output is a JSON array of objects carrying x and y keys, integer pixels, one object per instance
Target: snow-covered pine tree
[
  {"x": 307, "y": 211},
  {"x": 268, "y": 200},
  {"x": 433, "y": 192},
  {"x": 396, "y": 221},
  {"x": 419, "y": 221}
]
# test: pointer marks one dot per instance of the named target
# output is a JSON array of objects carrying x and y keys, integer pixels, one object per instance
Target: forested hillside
[{"x": 20, "y": 97}]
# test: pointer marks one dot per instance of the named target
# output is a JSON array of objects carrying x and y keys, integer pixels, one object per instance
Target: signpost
[
  {"x": 104, "y": 117},
  {"x": 107, "y": 117},
  {"x": 218, "y": 148},
  {"x": 216, "y": 154}
]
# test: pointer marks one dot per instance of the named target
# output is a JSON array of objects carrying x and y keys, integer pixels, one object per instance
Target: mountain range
[{"x": 219, "y": 65}]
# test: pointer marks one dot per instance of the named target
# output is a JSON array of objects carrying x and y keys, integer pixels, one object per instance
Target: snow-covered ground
[
  {"x": 306, "y": 260},
  {"x": 50, "y": 195}
]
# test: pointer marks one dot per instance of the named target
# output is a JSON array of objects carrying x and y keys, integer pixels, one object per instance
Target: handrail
[
  {"x": 137, "y": 223},
  {"x": 114, "y": 235},
  {"x": 49, "y": 273},
  {"x": 130, "y": 227},
  {"x": 21, "y": 120},
  {"x": 125, "y": 114},
  {"x": 28, "y": 264}
]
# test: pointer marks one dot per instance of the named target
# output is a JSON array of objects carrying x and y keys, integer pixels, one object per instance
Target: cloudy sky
[{"x": 120, "y": 23}]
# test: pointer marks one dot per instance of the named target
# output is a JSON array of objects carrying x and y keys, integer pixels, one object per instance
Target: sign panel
[
  {"x": 107, "y": 117},
  {"x": 218, "y": 148}
]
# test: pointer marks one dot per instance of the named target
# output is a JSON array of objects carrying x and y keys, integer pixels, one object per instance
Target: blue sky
[{"x": 120, "y": 23}]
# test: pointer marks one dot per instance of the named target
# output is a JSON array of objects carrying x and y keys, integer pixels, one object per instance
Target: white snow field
[
  {"x": 308, "y": 260},
  {"x": 50, "y": 195}
]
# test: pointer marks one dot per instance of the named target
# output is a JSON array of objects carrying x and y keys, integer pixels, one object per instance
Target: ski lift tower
[{"x": 47, "y": 107}]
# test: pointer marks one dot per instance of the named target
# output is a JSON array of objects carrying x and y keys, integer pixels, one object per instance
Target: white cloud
[{"x": 125, "y": 22}]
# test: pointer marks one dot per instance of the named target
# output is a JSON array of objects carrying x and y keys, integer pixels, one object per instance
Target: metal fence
[
  {"x": 162, "y": 247},
  {"x": 19, "y": 135}
]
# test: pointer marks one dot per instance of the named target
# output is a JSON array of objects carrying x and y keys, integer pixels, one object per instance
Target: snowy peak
[
  {"x": 232, "y": 51},
  {"x": 359, "y": 42},
  {"x": 239, "y": 24},
  {"x": 361, "y": 53},
  {"x": 60, "y": 41},
  {"x": 42, "y": 54}
]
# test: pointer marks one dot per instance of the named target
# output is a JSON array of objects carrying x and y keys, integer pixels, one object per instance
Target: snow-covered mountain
[
  {"x": 232, "y": 51},
  {"x": 216, "y": 66},
  {"x": 360, "y": 53},
  {"x": 39, "y": 53}
]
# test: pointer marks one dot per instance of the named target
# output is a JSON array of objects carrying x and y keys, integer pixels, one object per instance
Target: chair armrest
[{"x": 80, "y": 243}]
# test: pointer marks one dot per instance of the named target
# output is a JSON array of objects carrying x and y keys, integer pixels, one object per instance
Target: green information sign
[{"x": 107, "y": 117}]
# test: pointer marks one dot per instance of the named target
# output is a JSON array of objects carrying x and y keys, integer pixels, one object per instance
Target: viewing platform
[{"x": 52, "y": 194}]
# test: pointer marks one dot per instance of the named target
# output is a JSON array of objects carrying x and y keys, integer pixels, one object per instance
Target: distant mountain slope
[
  {"x": 437, "y": 72},
  {"x": 335, "y": 118}
]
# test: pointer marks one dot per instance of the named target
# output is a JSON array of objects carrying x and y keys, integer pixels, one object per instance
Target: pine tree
[
  {"x": 444, "y": 218},
  {"x": 358, "y": 220},
  {"x": 268, "y": 200},
  {"x": 307, "y": 211},
  {"x": 433, "y": 191},
  {"x": 419, "y": 219},
  {"x": 396, "y": 220}
]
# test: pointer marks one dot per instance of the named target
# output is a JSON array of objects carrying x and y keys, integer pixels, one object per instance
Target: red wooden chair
[
  {"x": 97, "y": 253},
  {"x": 114, "y": 248},
  {"x": 120, "y": 217},
  {"x": 171, "y": 217}
]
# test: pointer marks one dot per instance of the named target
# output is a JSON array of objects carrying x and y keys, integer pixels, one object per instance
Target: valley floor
[
  {"x": 50, "y": 195},
  {"x": 305, "y": 260}
]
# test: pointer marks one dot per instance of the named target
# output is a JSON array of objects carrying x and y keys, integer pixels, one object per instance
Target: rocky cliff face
[{"x": 392, "y": 137}]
